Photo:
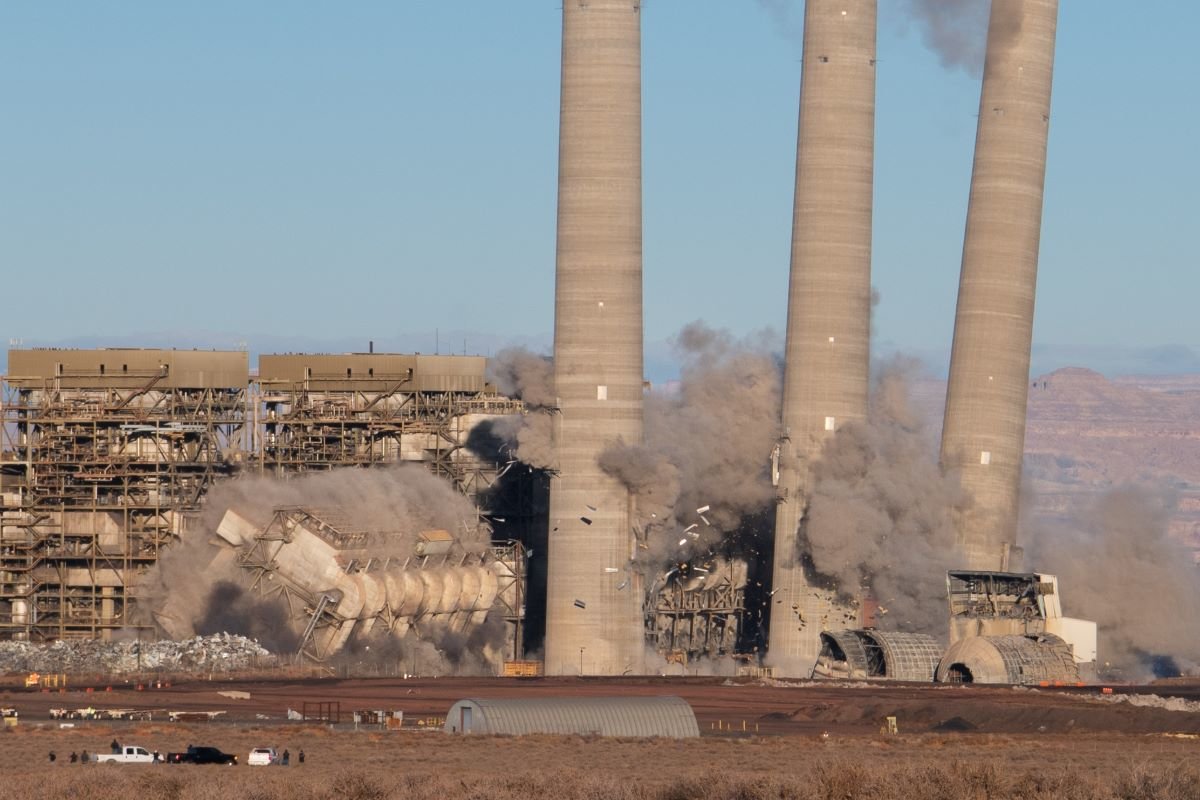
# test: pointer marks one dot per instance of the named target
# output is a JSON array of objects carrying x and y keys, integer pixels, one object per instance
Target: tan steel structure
[
  {"x": 984, "y": 432},
  {"x": 324, "y": 411},
  {"x": 104, "y": 453},
  {"x": 592, "y": 626},
  {"x": 829, "y": 304}
]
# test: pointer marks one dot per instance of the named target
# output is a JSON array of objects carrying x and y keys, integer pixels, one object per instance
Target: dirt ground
[{"x": 795, "y": 735}]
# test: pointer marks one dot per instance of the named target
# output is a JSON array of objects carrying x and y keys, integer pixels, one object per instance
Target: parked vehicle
[
  {"x": 129, "y": 754},
  {"x": 262, "y": 757},
  {"x": 201, "y": 755}
]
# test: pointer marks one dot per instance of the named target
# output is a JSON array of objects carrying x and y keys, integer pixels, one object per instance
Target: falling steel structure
[
  {"x": 105, "y": 452},
  {"x": 592, "y": 625},
  {"x": 336, "y": 581},
  {"x": 984, "y": 431},
  {"x": 829, "y": 300}
]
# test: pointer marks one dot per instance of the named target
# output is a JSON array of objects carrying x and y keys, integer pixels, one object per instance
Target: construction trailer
[{"x": 104, "y": 453}]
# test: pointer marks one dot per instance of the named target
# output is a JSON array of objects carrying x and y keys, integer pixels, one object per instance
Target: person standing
[{"x": 286, "y": 757}]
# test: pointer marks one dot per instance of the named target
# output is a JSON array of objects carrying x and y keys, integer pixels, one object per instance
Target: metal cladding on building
[
  {"x": 984, "y": 432},
  {"x": 829, "y": 303},
  {"x": 642, "y": 717},
  {"x": 594, "y": 617}
]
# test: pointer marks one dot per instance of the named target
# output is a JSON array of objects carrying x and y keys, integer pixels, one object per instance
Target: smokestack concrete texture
[
  {"x": 594, "y": 616},
  {"x": 826, "y": 363},
  {"x": 984, "y": 428}
]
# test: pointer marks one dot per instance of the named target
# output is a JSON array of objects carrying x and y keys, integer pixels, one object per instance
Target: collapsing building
[
  {"x": 108, "y": 455},
  {"x": 698, "y": 610},
  {"x": 878, "y": 655},
  {"x": 337, "y": 583},
  {"x": 105, "y": 453},
  {"x": 1009, "y": 628},
  {"x": 1004, "y": 628}
]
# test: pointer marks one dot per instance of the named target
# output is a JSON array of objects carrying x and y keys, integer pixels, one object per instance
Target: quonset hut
[
  {"x": 1022, "y": 660},
  {"x": 639, "y": 717},
  {"x": 878, "y": 655}
]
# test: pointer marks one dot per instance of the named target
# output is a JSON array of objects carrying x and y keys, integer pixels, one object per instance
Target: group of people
[
  {"x": 284, "y": 760},
  {"x": 77, "y": 757}
]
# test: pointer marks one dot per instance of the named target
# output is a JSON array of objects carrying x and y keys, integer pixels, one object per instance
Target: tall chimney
[
  {"x": 826, "y": 362},
  {"x": 984, "y": 431},
  {"x": 594, "y": 615}
]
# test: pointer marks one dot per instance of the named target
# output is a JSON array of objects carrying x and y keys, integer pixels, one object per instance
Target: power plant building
[
  {"x": 594, "y": 619},
  {"x": 105, "y": 452},
  {"x": 826, "y": 363},
  {"x": 108, "y": 454},
  {"x": 983, "y": 435}
]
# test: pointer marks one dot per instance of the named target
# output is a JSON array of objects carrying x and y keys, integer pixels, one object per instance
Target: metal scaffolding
[{"x": 104, "y": 452}]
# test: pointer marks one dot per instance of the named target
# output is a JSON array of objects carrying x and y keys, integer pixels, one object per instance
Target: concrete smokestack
[
  {"x": 829, "y": 302},
  {"x": 593, "y": 615},
  {"x": 984, "y": 431}
]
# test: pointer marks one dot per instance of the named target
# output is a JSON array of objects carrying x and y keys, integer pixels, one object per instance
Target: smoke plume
[
  {"x": 956, "y": 30},
  {"x": 707, "y": 443},
  {"x": 880, "y": 510},
  {"x": 1117, "y": 564},
  {"x": 525, "y": 376}
]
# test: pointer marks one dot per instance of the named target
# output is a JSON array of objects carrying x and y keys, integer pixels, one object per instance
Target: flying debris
[
  {"x": 703, "y": 509},
  {"x": 580, "y": 604},
  {"x": 611, "y": 569},
  {"x": 584, "y": 520}
]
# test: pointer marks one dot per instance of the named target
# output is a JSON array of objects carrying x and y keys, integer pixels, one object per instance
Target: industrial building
[
  {"x": 105, "y": 452},
  {"x": 108, "y": 454},
  {"x": 337, "y": 582},
  {"x": 631, "y": 717}
]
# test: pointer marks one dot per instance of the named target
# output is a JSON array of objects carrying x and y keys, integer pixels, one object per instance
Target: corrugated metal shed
[{"x": 669, "y": 717}]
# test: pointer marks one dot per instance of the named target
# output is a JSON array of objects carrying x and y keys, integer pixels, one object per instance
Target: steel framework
[{"x": 104, "y": 452}]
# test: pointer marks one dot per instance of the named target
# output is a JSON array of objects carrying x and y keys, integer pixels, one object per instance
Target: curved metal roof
[
  {"x": 669, "y": 717},
  {"x": 880, "y": 654},
  {"x": 908, "y": 656},
  {"x": 1010, "y": 659}
]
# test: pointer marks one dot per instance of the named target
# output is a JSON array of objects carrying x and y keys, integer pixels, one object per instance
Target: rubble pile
[{"x": 221, "y": 652}]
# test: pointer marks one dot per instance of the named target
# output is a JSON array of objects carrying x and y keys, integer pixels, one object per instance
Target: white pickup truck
[{"x": 130, "y": 754}]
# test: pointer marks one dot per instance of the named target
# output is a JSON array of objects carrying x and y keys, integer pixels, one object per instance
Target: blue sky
[{"x": 313, "y": 175}]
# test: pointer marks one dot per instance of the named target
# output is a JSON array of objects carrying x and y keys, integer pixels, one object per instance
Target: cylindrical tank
[
  {"x": 984, "y": 432},
  {"x": 591, "y": 625},
  {"x": 829, "y": 298}
]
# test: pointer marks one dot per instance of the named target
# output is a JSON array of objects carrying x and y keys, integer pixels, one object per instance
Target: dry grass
[{"x": 362, "y": 766}]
